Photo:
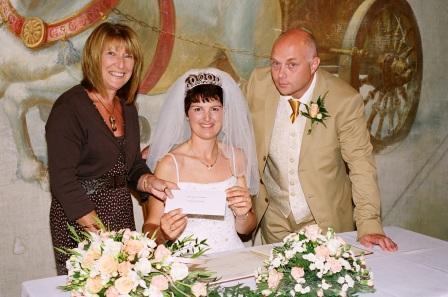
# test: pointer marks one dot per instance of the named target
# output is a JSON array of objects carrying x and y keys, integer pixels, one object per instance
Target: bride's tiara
[{"x": 194, "y": 80}]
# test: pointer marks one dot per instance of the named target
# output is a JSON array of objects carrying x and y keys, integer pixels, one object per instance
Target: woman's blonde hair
[{"x": 92, "y": 53}]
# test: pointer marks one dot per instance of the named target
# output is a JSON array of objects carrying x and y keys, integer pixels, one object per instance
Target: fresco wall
[{"x": 233, "y": 35}]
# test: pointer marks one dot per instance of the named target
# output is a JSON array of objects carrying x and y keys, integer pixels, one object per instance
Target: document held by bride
[{"x": 196, "y": 202}]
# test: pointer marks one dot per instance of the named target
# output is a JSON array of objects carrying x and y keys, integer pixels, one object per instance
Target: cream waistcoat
[{"x": 281, "y": 174}]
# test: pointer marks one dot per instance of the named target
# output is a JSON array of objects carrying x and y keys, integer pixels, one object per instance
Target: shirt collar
[{"x": 306, "y": 98}]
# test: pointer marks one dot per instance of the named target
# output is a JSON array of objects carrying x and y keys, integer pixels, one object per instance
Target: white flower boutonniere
[{"x": 316, "y": 112}]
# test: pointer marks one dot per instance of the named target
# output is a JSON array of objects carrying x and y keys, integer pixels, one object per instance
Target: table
[{"x": 419, "y": 268}]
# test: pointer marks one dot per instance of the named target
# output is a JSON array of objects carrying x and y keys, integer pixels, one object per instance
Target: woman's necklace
[
  {"x": 112, "y": 120},
  {"x": 210, "y": 166}
]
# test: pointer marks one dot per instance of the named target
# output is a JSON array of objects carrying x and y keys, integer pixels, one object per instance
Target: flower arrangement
[
  {"x": 128, "y": 263},
  {"x": 309, "y": 263},
  {"x": 316, "y": 112}
]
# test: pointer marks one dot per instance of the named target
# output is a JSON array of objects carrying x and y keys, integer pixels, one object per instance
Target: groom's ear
[{"x": 315, "y": 62}]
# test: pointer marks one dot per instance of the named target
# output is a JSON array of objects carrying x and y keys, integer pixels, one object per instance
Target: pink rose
[
  {"x": 93, "y": 285},
  {"x": 108, "y": 265},
  {"x": 124, "y": 268},
  {"x": 133, "y": 247},
  {"x": 89, "y": 258},
  {"x": 127, "y": 234},
  {"x": 335, "y": 265},
  {"x": 112, "y": 292},
  {"x": 322, "y": 251},
  {"x": 274, "y": 279},
  {"x": 199, "y": 289},
  {"x": 160, "y": 282},
  {"x": 124, "y": 285},
  {"x": 314, "y": 110},
  {"x": 297, "y": 273},
  {"x": 161, "y": 253},
  {"x": 312, "y": 232},
  {"x": 320, "y": 293}
]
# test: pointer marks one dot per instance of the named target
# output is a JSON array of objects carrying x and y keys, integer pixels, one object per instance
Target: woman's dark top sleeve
[{"x": 65, "y": 142}]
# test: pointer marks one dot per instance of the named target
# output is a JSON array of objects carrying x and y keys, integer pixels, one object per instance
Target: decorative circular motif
[{"x": 33, "y": 32}]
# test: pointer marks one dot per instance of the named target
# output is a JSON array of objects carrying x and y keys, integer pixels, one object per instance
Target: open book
[{"x": 236, "y": 265}]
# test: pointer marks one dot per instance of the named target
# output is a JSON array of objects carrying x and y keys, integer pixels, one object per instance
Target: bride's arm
[
  {"x": 167, "y": 225},
  {"x": 240, "y": 202},
  {"x": 239, "y": 198}
]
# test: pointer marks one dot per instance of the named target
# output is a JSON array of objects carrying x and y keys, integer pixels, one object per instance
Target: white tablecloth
[{"x": 419, "y": 268}]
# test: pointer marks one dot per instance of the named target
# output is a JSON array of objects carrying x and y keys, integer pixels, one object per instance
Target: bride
[{"x": 204, "y": 141}]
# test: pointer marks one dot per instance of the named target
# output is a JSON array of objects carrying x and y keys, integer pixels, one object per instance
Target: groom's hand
[{"x": 383, "y": 241}]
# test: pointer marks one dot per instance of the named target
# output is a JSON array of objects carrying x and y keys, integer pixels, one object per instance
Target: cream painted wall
[{"x": 413, "y": 175}]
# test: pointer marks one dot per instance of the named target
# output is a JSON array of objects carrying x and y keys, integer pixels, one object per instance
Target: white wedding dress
[{"x": 220, "y": 232}]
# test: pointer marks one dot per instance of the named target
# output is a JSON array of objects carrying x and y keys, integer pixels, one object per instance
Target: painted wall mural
[
  {"x": 375, "y": 45},
  {"x": 173, "y": 37}
]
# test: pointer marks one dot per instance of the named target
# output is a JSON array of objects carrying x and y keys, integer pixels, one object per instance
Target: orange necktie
[{"x": 295, "y": 103}]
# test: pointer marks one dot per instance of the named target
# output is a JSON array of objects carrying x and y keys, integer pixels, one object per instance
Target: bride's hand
[
  {"x": 173, "y": 223},
  {"x": 239, "y": 200}
]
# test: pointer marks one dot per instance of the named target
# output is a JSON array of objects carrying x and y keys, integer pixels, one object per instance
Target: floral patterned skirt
[{"x": 113, "y": 207}]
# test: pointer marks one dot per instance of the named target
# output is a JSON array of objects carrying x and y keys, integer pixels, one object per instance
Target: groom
[{"x": 322, "y": 173}]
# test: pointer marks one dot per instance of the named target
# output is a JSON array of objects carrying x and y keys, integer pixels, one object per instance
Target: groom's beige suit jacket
[{"x": 336, "y": 167}]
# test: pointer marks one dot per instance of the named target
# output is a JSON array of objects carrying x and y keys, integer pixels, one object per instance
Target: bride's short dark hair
[{"x": 203, "y": 93}]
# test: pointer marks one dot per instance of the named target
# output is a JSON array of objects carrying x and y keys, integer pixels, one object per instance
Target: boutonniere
[{"x": 316, "y": 112}]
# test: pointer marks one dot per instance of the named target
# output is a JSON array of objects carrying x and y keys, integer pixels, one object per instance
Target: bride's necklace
[
  {"x": 112, "y": 120},
  {"x": 210, "y": 166}
]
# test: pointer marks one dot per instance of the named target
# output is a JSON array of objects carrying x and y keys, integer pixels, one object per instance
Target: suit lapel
[
  {"x": 320, "y": 89},
  {"x": 270, "y": 109}
]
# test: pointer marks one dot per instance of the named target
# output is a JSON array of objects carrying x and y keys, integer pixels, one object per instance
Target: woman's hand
[
  {"x": 89, "y": 222},
  {"x": 160, "y": 188},
  {"x": 239, "y": 200},
  {"x": 173, "y": 224}
]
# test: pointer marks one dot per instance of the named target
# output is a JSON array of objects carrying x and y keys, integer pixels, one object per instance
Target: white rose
[
  {"x": 325, "y": 285},
  {"x": 266, "y": 292},
  {"x": 314, "y": 110},
  {"x": 319, "y": 116},
  {"x": 143, "y": 266},
  {"x": 289, "y": 254},
  {"x": 333, "y": 245},
  {"x": 276, "y": 262},
  {"x": 154, "y": 292},
  {"x": 349, "y": 280},
  {"x": 161, "y": 254},
  {"x": 179, "y": 271}
]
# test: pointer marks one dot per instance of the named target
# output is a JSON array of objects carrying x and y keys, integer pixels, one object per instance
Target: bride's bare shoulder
[{"x": 166, "y": 168}]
